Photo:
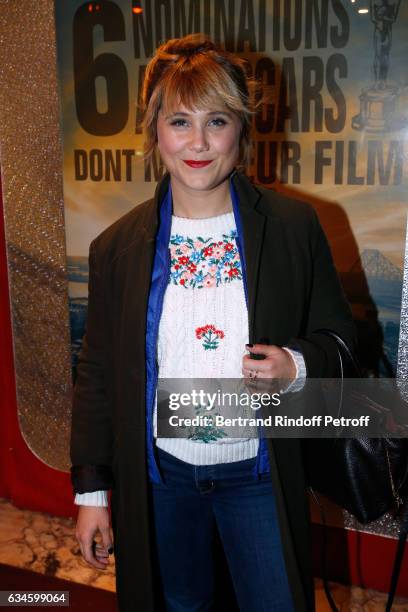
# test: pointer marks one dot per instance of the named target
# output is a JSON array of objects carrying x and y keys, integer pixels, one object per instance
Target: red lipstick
[{"x": 197, "y": 164}]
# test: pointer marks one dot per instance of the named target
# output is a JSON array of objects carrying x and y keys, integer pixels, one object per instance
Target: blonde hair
[{"x": 194, "y": 72}]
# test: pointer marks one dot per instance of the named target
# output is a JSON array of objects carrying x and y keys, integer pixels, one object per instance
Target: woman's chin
[{"x": 201, "y": 181}]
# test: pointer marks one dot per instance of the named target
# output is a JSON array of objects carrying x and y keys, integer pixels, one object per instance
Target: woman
[{"x": 184, "y": 286}]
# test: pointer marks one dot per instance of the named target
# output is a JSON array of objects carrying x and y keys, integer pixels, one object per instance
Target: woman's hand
[
  {"x": 91, "y": 520},
  {"x": 278, "y": 363}
]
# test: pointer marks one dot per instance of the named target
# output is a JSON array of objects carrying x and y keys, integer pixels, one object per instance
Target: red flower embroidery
[
  {"x": 208, "y": 251},
  {"x": 233, "y": 272},
  {"x": 183, "y": 260},
  {"x": 228, "y": 246},
  {"x": 210, "y": 335}
]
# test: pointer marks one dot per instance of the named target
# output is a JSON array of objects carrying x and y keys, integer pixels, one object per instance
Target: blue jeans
[{"x": 187, "y": 506}]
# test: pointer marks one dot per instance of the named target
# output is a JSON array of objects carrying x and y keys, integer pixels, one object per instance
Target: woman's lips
[{"x": 197, "y": 164}]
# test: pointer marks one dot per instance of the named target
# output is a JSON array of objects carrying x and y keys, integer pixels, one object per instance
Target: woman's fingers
[
  {"x": 107, "y": 541},
  {"x": 255, "y": 373},
  {"x": 89, "y": 553},
  {"x": 277, "y": 363},
  {"x": 101, "y": 554},
  {"x": 266, "y": 350},
  {"x": 260, "y": 366},
  {"x": 263, "y": 368},
  {"x": 92, "y": 520}
]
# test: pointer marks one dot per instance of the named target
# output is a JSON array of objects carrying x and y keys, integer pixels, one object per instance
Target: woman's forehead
[
  {"x": 188, "y": 101},
  {"x": 181, "y": 109}
]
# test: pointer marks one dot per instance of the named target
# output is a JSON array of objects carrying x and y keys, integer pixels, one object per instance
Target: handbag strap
[
  {"x": 398, "y": 559},
  {"x": 341, "y": 344}
]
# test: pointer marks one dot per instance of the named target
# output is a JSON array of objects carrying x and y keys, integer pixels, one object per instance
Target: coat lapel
[
  {"x": 137, "y": 278},
  {"x": 273, "y": 305},
  {"x": 253, "y": 224}
]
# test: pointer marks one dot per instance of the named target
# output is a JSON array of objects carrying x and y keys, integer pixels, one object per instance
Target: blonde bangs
[{"x": 200, "y": 88}]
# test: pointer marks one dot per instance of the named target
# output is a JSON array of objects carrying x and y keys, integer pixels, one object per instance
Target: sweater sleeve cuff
[
  {"x": 96, "y": 498},
  {"x": 300, "y": 377}
]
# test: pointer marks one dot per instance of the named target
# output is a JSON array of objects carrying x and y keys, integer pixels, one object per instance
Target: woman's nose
[{"x": 199, "y": 140}]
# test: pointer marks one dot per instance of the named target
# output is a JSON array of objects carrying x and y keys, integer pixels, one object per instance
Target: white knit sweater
[
  {"x": 203, "y": 329},
  {"x": 204, "y": 324}
]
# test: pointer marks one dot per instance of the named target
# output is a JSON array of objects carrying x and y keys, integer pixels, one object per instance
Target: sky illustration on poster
[{"x": 333, "y": 133}]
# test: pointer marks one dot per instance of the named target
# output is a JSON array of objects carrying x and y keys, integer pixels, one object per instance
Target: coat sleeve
[
  {"x": 91, "y": 433},
  {"x": 327, "y": 309}
]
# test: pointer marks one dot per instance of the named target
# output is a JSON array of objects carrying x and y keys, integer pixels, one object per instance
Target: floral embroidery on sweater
[
  {"x": 205, "y": 433},
  {"x": 203, "y": 262},
  {"x": 210, "y": 336}
]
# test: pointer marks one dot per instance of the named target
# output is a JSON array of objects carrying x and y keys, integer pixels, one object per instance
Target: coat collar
[
  {"x": 152, "y": 215},
  {"x": 248, "y": 196}
]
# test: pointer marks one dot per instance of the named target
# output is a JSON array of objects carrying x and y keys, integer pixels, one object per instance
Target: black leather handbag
[{"x": 366, "y": 476}]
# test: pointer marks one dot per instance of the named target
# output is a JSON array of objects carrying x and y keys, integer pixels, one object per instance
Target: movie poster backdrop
[{"x": 332, "y": 131}]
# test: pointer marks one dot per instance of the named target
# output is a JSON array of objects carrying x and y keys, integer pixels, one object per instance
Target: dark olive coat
[{"x": 293, "y": 290}]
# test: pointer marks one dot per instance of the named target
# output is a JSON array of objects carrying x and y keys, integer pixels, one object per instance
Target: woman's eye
[
  {"x": 179, "y": 122},
  {"x": 218, "y": 122}
]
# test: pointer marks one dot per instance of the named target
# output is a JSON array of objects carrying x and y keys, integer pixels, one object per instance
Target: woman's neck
[{"x": 197, "y": 204}]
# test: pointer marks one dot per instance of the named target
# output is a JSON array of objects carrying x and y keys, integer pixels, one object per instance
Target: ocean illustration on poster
[
  {"x": 380, "y": 314},
  {"x": 78, "y": 302}
]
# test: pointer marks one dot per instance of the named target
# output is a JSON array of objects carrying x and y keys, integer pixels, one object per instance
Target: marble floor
[{"x": 46, "y": 544}]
